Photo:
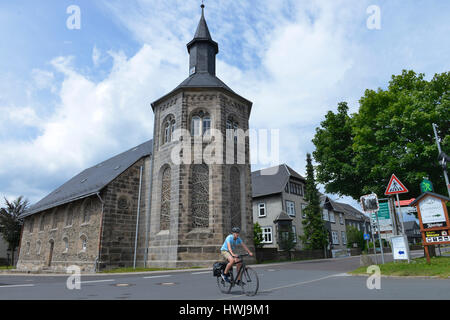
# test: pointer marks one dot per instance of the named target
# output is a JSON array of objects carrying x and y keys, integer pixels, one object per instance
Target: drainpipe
[
  {"x": 148, "y": 210},
  {"x": 97, "y": 260},
  {"x": 138, "y": 215}
]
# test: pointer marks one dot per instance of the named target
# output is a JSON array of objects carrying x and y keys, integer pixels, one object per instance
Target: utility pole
[{"x": 443, "y": 160}]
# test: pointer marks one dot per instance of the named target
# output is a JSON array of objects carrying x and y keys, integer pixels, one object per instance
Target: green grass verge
[
  {"x": 131, "y": 269},
  {"x": 7, "y": 267},
  {"x": 440, "y": 267}
]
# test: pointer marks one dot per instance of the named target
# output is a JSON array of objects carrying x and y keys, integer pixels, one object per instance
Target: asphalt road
[{"x": 315, "y": 279}]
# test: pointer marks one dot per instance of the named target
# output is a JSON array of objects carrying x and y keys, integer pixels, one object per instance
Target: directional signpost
[
  {"x": 370, "y": 205},
  {"x": 433, "y": 219},
  {"x": 395, "y": 187}
]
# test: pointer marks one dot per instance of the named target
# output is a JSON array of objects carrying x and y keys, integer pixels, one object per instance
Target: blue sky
[{"x": 72, "y": 98}]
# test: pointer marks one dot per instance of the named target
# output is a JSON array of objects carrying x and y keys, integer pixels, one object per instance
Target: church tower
[{"x": 195, "y": 202}]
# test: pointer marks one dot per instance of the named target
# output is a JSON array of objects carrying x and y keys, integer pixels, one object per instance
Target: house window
[
  {"x": 295, "y": 188},
  {"x": 290, "y": 208},
  {"x": 294, "y": 231},
  {"x": 304, "y": 205},
  {"x": 332, "y": 219},
  {"x": 341, "y": 218},
  {"x": 335, "y": 237},
  {"x": 344, "y": 239},
  {"x": 267, "y": 234},
  {"x": 261, "y": 209},
  {"x": 325, "y": 215}
]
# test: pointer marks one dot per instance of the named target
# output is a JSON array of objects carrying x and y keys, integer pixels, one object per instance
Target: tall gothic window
[
  {"x": 200, "y": 124},
  {"x": 235, "y": 197},
  {"x": 200, "y": 196},
  {"x": 168, "y": 129},
  {"x": 165, "y": 200}
]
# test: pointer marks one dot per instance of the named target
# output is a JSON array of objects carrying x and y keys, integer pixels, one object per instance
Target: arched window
[
  {"x": 87, "y": 210},
  {"x": 168, "y": 129},
  {"x": 200, "y": 124},
  {"x": 232, "y": 127},
  {"x": 165, "y": 199},
  {"x": 200, "y": 196},
  {"x": 83, "y": 243},
  {"x": 38, "y": 247},
  {"x": 235, "y": 197},
  {"x": 66, "y": 244},
  {"x": 69, "y": 215}
]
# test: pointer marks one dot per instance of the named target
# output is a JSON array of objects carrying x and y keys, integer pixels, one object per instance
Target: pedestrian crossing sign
[{"x": 395, "y": 186}]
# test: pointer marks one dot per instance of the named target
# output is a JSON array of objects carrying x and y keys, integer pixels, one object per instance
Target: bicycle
[{"x": 249, "y": 279}]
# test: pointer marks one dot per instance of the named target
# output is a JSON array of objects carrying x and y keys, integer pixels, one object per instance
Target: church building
[{"x": 169, "y": 202}]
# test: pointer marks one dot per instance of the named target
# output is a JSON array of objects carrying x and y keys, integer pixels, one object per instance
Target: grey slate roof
[
  {"x": 349, "y": 211},
  {"x": 409, "y": 225},
  {"x": 91, "y": 180},
  {"x": 283, "y": 216},
  {"x": 272, "y": 180}
]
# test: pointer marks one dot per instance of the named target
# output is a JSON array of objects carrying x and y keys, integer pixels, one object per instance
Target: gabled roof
[
  {"x": 283, "y": 216},
  {"x": 272, "y": 180},
  {"x": 348, "y": 211},
  {"x": 91, "y": 180},
  {"x": 440, "y": 196}
]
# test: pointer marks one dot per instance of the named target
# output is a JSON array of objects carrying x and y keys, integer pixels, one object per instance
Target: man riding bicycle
[{"x": 228, "y": 246}]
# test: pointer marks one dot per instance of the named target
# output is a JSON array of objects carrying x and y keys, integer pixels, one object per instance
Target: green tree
[
  {"x": 257, "y": 235},
  {"x": 391, "y": 133},
  {"x": 355, "y": 236},
  {"x": 10, "y": 223},
  {"x": 315, "y": 236}
]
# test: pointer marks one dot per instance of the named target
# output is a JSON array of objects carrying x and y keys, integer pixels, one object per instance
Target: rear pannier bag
[{"x": 218, "y": 267}]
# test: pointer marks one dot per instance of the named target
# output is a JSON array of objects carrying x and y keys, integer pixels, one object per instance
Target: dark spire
[{"x": 202, "y": 49}]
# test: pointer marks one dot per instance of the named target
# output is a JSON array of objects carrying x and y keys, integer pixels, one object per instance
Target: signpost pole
[
  {"x": 379, "y": 238},
  {"x": 400, "y": 214},
  {"x": 373, "y": 241},
  {"x": 393, "y": 216}
]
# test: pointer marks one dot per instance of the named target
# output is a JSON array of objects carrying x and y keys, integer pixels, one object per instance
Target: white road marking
[
  {"x": 94, "y": 281},
  {"x": 290, "y": 285},
  {"x": 17, "y": 285},
  {"x": 152, "y": 277},
  {"x": 201, "y": 272}
]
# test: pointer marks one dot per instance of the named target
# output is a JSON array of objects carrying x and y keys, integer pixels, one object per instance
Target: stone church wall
[{"x": 68, "y": 235}]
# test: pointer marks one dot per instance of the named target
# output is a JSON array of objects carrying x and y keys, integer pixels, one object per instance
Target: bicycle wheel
[
  {"x": 225, "y": 287},
  {"x": 250, "y": 282}
]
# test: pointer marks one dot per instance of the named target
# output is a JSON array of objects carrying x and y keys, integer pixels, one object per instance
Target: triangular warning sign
[{"x": 395, "y": 186}]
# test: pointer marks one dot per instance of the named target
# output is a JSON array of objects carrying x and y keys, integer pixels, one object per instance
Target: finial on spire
[{"x": 203, "y": 8}]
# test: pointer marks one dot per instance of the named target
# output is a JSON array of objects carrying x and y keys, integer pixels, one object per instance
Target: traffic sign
[
  {"x": 366, "y": 236},
  {"x": 395, "y": 186}
]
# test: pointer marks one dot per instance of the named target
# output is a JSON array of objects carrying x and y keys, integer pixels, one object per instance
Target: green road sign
[{"x": 426, "y": 186}]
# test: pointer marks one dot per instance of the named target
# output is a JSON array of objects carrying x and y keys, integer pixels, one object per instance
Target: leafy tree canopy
[{"x": 391, "y": 133}]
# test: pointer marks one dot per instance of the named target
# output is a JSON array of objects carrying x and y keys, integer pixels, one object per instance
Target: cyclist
[{"x": 228, "y": 246}]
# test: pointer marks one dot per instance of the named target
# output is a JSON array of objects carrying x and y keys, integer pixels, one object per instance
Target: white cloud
[{"x": 295, "y": 60}]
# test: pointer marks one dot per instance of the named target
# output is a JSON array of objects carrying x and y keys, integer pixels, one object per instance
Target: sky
[{"x": 73, "y": 95}]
